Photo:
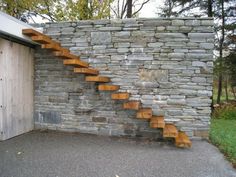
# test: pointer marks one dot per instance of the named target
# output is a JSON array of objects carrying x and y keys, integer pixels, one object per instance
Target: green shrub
[{"x": 225, "y": 112}]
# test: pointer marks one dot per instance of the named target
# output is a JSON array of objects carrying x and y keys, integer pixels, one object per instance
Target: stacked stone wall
[{"x": 167, "y": 64}]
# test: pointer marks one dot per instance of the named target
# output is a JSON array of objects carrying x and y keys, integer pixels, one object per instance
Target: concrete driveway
[{"x": 53, "y": 154}]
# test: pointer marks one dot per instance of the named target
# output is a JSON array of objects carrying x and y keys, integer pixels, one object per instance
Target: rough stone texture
[
  {"x": 164, "y": 63},
  {"x": 100, "y": 38},
  {"x": 153, "y": 75}
]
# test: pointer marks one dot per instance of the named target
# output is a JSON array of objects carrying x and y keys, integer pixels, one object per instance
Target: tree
[
  {"x": 186, "y": 7},
  {"x": 57, "y": 10},
  {"x": 83, "y": 10},
  {"x": 127, "y": 8},
  {"x": 167, "y": 10},
  {"x": 224, "y": 27},
  {"x": 209, "y": 8},
  {"x": 221, "y": 42},
  {"x": 231, "y": 64},
  {"x": 230, "y": 59},
  {"x": 25, "y": 10}
]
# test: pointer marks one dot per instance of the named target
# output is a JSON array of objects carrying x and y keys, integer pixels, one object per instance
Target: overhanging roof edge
[{"x": 13, "y": 27}]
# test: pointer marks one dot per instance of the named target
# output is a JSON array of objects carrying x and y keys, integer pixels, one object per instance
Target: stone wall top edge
[{"x": 132, "y": 19}]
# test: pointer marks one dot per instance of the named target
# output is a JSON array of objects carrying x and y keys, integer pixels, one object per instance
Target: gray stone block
[
  {"x": 207, "y": 46},
  {"x": 170, "y": 35},
  {"x": 110, "y": 29},
  {"x": 192, "y": 22},
  {"x": 198, "y": 63},
  {"x": 122, "y": 50},
  {"x": 201, "y": 35},
  {"x": 100, "y": 37},
  {"x": 207, "y": 22},
  {"x": 161, "y": 28},
  {"x": 122, "y": 34},
  {"x": 50, "y": 117},
  {"x": 156, "y": 44},
  {"x": 140, "y": 57},
  {"x": 176, "y": 101},
  {"x": 157, "y": 23},
  {"x": 178, "y": 22},
  {"x": 153, "y": 75},
  {"x": 198, "y": 79}
]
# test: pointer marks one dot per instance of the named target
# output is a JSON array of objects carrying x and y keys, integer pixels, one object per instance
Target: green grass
[
  {"x": 223, "y": 132},
  {"x": 225, "y": 112}
]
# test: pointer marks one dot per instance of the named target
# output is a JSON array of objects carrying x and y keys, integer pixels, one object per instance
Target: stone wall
[{"x": 165, "y": 63}]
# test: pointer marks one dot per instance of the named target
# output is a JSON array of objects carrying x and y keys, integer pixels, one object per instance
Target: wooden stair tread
[
  {"x": 76, "y": 63},
  {"x": 54, "y": 46},
  {"x": 97, "y": 79},
  {"x": 31, "y": 32},
  {"x": 90, "y": 71},
  {"x": 182, "y": 140},
  {"x": 65, "y": 54},
  {"x": 42, "y": 39},
  {"x": 170, "y": 131},
  {"x": 108, "y": 87},
  {"x": 134, "y": 105},
  {"x": 120, "y": 96},
  {"x": 144, "y": 113},
  {"x": 157, "y": 122},
  {"x": 39, "y": 37}
]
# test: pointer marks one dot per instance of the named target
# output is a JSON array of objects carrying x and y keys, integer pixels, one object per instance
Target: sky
[{"x": 150, "y": 9}]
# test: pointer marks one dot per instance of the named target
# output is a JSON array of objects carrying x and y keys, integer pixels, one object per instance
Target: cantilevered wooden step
[
  {"x": 31, "y": 32},
  {"x": 65, "y": 54},
  {"x": 170, "y": 131},
  {"x": 76, "y": 63},
  {"x": 120, "y": 96},
  {"x": 157, "y": 122},
  {"x": 53, "y": 46},
  {"x": 144, "y": 113},
  {"x": 97, "y": 79},
  {"x": 108, "y": 87},
  {"x": 42, "y": 39},
  {"x": 39, "y": 37},
  {"x": 182, "y": 140},
  {"x": 88, "y": 71},
  {"x": 133, "y": 105}
]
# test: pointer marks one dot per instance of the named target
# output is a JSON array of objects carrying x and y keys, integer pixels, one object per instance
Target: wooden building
[{"x": 16, "y": 78}]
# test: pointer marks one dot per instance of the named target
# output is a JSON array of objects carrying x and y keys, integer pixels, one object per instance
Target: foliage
[
  {"x": 82, "y": 10},
  {"x": 174, "y": 8},
  {"x": 57, "y": 10},
  {"x": 223, "y": 134},
  {"x": 225, "y": 112},
  {"x": 168, "y": 9},
  {"x": 25, "y": 9},
  {"x": 228, "y": 67}
]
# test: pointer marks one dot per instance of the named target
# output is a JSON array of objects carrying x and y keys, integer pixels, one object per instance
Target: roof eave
[{"x": 13, "y": 27}]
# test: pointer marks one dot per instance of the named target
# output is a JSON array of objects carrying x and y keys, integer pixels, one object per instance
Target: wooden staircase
[{"x": 81, "y": 67}]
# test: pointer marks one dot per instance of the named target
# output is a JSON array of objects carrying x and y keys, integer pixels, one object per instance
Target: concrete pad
[{"x": 53, "y": 154}]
